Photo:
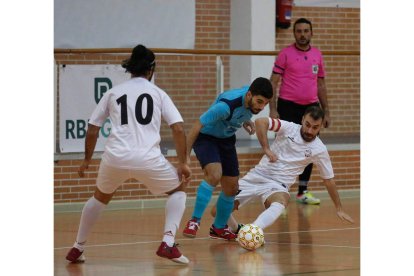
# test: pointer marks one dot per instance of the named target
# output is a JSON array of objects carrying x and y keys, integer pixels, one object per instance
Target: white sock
[
  {"x": 232, "y": 223},
  {"x": 270, "y": 215},
  {"x": 90, "y": 214},
  {"x": 174, "y": 211}
]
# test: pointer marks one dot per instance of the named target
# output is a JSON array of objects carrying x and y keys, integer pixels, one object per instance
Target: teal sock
[
  {"x": 224, "y": 209},
  {"x": 204, "y": 193}
]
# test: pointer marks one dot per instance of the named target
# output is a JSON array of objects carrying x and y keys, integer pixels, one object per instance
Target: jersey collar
[{"x": 296, "y": 47}]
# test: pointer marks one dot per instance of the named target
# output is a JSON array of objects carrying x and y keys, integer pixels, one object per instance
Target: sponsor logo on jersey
[
  {"x": 308, "y": 153},
  {"x": 315, "y": 69}
]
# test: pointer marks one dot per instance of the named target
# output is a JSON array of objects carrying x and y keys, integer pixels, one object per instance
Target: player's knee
[
  {"x": 276, "y": 198},
  {"x": 180, "y": 188},
  {"x": 213, "y": 178},
  {"x": 235, "y": 190},
  {"x": 102, "y": 197},
  {"x": 285, "y": 200},
  {"x": 230, "y": 187},
  {"x": 267, "y": 204},
  {"x": 230, "y": 190},
  {"x": 285, "y": 203}
]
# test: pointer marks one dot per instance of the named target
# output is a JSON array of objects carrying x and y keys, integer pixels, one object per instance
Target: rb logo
[{"x": 101, "y": 86}]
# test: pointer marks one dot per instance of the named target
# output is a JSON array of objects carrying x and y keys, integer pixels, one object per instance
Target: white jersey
[
  {"x": 293, "y": 154},
  {"x": 135, "y": 108}
]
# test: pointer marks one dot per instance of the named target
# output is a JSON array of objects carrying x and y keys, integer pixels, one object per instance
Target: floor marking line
[
  {"x": 204, "y": 238},
  {"x": 317, "y": 245}
]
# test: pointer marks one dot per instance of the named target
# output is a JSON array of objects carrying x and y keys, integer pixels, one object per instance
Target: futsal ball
[{"x": 250, "y": 237}]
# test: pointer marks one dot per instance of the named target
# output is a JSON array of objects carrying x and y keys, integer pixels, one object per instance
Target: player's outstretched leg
[{"x": 270, "y": 215}]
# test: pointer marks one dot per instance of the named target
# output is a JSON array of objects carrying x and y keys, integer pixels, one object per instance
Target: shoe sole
[
  {"x": 179, "y": 260},
  {"x": 77, "y": 262}
]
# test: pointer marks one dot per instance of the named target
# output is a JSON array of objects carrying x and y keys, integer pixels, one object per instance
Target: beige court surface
[{"x": 305, "y": 240}]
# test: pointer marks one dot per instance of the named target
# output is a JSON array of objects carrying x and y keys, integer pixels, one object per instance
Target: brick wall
[
  {"x": 70, "y": 188},
  {"x": 191, "y": 83}
]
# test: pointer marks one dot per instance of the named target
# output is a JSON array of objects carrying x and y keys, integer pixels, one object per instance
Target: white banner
[{"x": 80, "y": 89}]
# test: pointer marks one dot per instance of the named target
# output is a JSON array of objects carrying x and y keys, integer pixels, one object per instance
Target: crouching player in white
[{"x": 294, "y": 147}]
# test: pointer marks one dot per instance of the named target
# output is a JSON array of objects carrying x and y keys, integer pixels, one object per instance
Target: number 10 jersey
[{"x": 135, "y": 109}]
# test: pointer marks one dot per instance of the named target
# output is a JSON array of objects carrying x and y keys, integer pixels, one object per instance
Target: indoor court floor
[{"x": 305, "y": 240}]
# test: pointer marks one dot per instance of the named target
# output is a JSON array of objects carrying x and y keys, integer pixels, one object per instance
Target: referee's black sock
[{"x": 303, "y": 186}]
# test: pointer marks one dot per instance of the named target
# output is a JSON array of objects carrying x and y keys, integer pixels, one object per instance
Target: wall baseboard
[{"x": 160, "y": 203}]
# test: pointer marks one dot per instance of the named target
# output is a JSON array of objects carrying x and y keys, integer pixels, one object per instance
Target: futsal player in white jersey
[
  {"x": 294, "y": 147},
  {"x": 135, "y": 109}
]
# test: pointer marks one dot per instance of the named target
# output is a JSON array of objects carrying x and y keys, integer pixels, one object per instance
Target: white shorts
[
  {"x": 255, "y": 186},
  {"x": 160, "y": 178}
]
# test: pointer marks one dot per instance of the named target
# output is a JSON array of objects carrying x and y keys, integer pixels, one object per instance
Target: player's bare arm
[
  {"x": 90, "y": 143},
  {"x": 323, "y": 99},
  {"x": 333, "y": 193},
  {"x": 183, "y": 170},
  {"x": 192, "y": 136},
  {"x": 262, "y": 126},
  {"x": 274, "y": 79}
]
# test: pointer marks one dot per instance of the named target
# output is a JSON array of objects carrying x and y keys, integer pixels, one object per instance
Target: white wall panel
[{"x": 124, "y": 23}]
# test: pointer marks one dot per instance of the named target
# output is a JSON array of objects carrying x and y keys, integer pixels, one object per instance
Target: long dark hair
[{"x": 140, "y": 62}]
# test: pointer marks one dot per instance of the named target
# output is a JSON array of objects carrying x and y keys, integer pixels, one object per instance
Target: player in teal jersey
[{"x": 213, "y": 139}]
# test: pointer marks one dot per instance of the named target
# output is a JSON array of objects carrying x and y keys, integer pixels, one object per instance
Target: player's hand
[
  {"x": 344, "y": 216},
  {"x": 327, "y": 120},
  {"x": 184, "y": 173},
  {"x": 249, "y": 127},
  {"x": 272, "y": 157},
  {"x": 84, "y": 166},
  {"x": 274, "y": 114}
]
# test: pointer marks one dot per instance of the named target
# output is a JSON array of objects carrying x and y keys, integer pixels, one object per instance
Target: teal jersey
[{"x": 227, "y": 114}]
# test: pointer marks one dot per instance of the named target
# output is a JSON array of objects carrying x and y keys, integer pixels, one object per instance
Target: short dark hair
[
  {"x": 263, "y": 87},
  {"x": 140, "y": 62},
  {"x": 302, "y": 20},
  {"x": 315, "y": 111}
]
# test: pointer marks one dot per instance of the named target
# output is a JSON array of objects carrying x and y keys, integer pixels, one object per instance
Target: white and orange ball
[{"x": 250, "y": 237}]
